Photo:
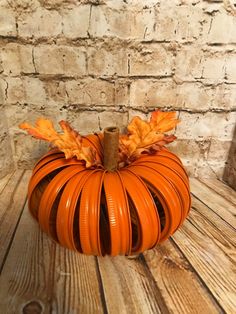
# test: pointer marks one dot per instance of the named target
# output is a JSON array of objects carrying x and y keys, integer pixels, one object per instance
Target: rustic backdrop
[{"x": 98, "y": 63}]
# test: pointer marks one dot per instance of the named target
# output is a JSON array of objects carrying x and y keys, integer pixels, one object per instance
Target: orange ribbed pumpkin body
[{"x": 97, "y": 212}]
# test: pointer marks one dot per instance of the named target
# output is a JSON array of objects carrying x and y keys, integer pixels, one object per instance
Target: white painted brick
[
  {"x": 110, "y": 61},
  {"x": 181, "y": 23},
  {"x": 194, "y": 63},
  {"x": 224, "y": 96},
  {"x": 210, "y": 125},
  {"x": 222, "y": 29},
  {"x": 132, "y": 4},
  {"x": 26, "y": 150},
  {"x": 21, "y": 112},
  {"x": 15, "y": 91},
  {"x": 122, "y": 23},
  {"x": 60, "y": 60},
  {"x": 214, "y": 69},
  {"x": 16, "y": 59},
  {"x": 107, "y": 22},
  {"x": 76, "y": 22},
  {"x": 151, "y": 60},
  {"x": 7, "y": 23},
  {"x": 90, "y": 92},
  {"x": 188, "y": 63},
  {"x": 60, "y": 4},
  {"x": 85, "y": 122},
  {"x": 26, "y": 90},
  {"x": 21, "y": 6},
  {"x": 121, "y": 93},
  {"x": 118, "y": 119},
  {"x": 150, "y": 93},
  {"x": 231, "y": 68},
  {"x": 55, "y": 92},
  {"x": 34, "y": 91},
  {"x": 219, "y": 150},
  {"x": 142, "y": 24},
  {"x": 193, "y": 96},
  {"x": 41, "y": 23},
  {"x": 3, "y": 88},
  {"x": 16, "y": 114}
]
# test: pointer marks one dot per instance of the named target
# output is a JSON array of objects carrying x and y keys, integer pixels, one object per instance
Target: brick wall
[{"x": 97, "y": 63}]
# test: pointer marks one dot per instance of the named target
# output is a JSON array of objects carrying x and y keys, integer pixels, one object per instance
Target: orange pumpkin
[{"x": 97, "y": 211}]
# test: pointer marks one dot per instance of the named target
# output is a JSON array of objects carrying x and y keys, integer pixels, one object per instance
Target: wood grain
[
  {"x": 12, "y": 201},
  {"x": 40, "y": 276},
  {"x": 76, "y": 283},
  {"x": 27, "y": 274},
  {"x": 214, "y": 201},
  {"x": 179, "y": 284},
  {"x": 4, "y": 181},
  {"x": 210, "y": 258},
  {"x": 194, "y": 272},
  {"x": 129, "y": 286},
  {"x": 221, "y": 188},
  {"x": 210, "y": 223}
]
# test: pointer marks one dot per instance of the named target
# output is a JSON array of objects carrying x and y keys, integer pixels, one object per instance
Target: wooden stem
[{"x": 111, "y": 148}]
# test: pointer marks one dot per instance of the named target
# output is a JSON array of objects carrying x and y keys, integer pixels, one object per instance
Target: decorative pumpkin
[{"x": 108, "y": 193}]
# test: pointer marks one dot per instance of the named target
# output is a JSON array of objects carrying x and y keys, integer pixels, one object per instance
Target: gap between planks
[
  {"x": 12, "y": 201},
  {"x": 207, "y": 240},
  {"x": 40, "y": 273},
  {"x": 220, "y": 188},
  {"x": 215, "y": 202},
  {"x": 53, "y": 273},
  {"x": 4, "y": 181}
]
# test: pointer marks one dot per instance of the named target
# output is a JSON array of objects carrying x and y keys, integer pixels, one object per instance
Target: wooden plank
[
  {"x": 211, "y": 224},
  {"x": 38, "y": 276},
  {"x": 129, "y": 286},
  {"x": 12, "y": 201},
  {"x": 77, "y": 287},
  {"x": 179, "y": 284},
  {"x": 217, "y": 203},
  {"x": 221, "y": 188},
  {"x": 8, "y": 191},
  {"x": 4, "y": 181},
  {"x": 211, "y": 258}
]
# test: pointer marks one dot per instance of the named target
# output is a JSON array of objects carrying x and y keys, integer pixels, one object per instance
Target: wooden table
[{"x": 193, "y": 272}]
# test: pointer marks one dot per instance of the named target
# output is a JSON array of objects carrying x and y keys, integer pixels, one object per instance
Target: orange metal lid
[
  {"x": 166, "y": 195},
  {"x": 47, "y": 210},
  {"x": 89, "y": 214},
  {"x": 149, "y": 224},
  {"x": 67, "y": 209},
  {"x": 118, "y": 213}
]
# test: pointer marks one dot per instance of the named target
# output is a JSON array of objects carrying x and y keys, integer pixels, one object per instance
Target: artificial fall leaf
[
  {"x": 43, "y": 130},
  {"x": 69, "y": 142},
  {"x": 146, "y": 136},
  {"x": 163, "y": 121}
]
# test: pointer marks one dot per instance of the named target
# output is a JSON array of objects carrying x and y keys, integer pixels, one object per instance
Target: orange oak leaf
[
  {"x": 69, "y": 142},
  {"x": 43, "y": 129},
  {"x": 163, "y": 121},
  {"x": 146, "y": 137}
]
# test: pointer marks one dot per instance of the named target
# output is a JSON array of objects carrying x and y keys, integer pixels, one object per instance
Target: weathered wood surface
[
  {"x": 212, "y": 258},
  {"x": 129, "y": 286},
  {"x": 12, "y": 200},
  {"x": 215, "y": 202},
  {"x": 194, "y": 272},
  {"x": 38, "y": 273},
  {"x": 221, "y": 188},
  {"x": 4, "y": 181},
  {"x": 178, "y": 282}
]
